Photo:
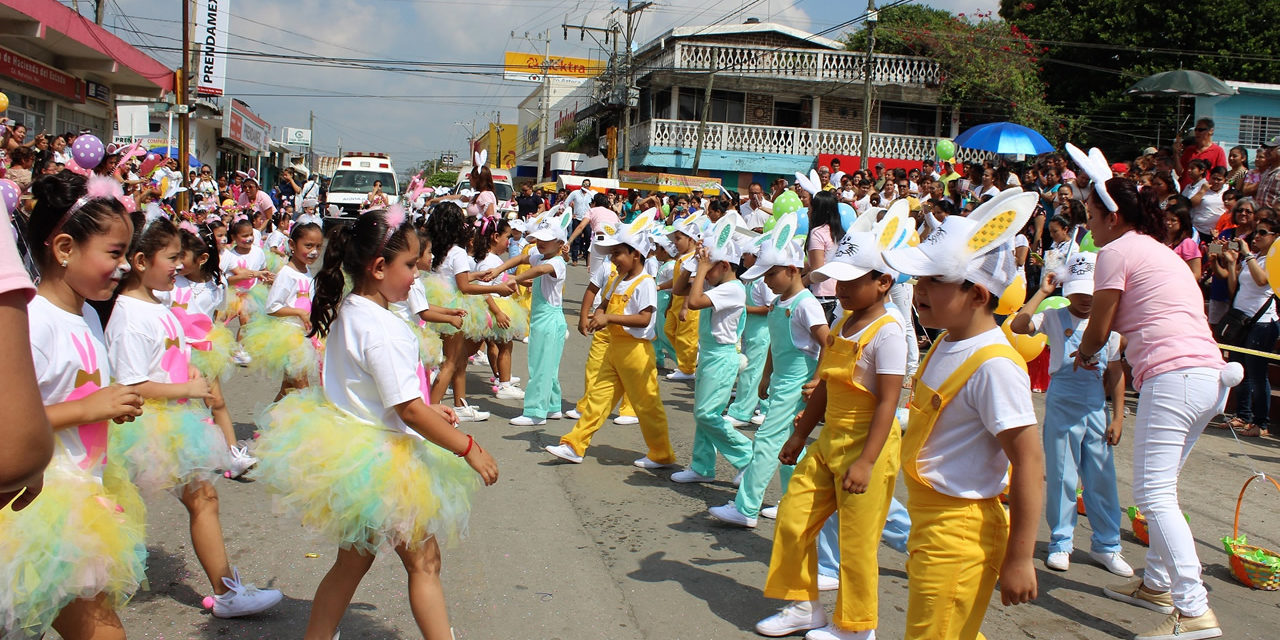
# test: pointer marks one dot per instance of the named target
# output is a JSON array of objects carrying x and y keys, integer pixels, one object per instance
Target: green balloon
[
  {"x": 786, "y": 203},
  {"x": 946, "y": 149},
  {"x": 769, "y": 224},
  {"x": 1053, "y": 302},
  {"x": 1086, "y": 244}
]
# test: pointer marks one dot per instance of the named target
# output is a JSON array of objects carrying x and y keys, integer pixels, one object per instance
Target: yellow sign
[
  {"x": 500, "y": 140},
  {"x": 528, "y": 67}
]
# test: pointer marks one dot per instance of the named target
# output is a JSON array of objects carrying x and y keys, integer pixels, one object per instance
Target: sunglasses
[
  {"x": 1201, "y": 129},
  {"x": 1264, "y": 232}
]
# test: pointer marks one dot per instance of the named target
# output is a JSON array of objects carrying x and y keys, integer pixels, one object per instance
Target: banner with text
[
  {"x": 527, "y": 67},
  {"x": 213, "y": 23}
]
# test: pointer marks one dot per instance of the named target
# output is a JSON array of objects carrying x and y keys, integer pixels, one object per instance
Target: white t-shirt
[
  {"x": 1250, "y": 297},
  {"x": 990, "y": 191},
  {"x": 290, "y": 284},
  {"x": 553, "y": 283},
  {"x": 600, "y": 278},
  {"x": 491, "y": 261},
  {"x": 666, "y": 273},
  {"x": 196, "y": 297},
  {"x": 754, "y": 218},
  {"x": 371, "y": 363},
  {"x": 255, "y": 260},
  {"x": 145, "y": 342},
  {"x": 413, "y": 305},
  {"x": 1204, "y": 216},
  {"x": 279, "y": 241},
  {"x": 758, "y": 293},
  {"x": 728, "y": 301},
  {"x": 1019, "y": 241},
  {"x": 66, "y": 347},
  {"x": 644, "y": 297},
  {"x": 962, "y": 457},
  {"x": 1055, "y": 323},
  {"x": 886, "y": 354},
  {"x": 807, "y": 315},
  {"x": 651, "y": 266},
  {"x": 456, "y": 261}
]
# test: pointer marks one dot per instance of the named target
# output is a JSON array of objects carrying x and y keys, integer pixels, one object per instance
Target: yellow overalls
[
  {"x": 815, "y": 492},
  {"x": 957, "y": 545},
  {"x": 595, "y": 358},
  {"x": 524, "y": 295},
  {"x": 629, "y": 366},
  {"x": 683, "y": 334}
]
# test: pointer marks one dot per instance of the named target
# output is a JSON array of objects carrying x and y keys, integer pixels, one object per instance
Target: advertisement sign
[
  {"x": 668, "y": 182},
  {"x": 213, "y": 22},
  {"x": 297, "y": 137},
  {"x": 133, "y": 120},
  {"x": 243, "y": 126},
  {"x": 30, "y": 72},
  {"x": 527, "y": 67}
]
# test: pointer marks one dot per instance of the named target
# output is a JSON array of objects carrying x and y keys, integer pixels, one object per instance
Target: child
[
  {"x": 664, "y": 251},
  {"x": 276, "y": 243},
  {"x": 521, "y": 246},
  {"x": 721, "y": 307},
  {"x": 971, "y": 416},
  {"x": 629, "y": 365},
  {"x": 281, "y": 342},
  {"x": 77, "y": 553},
  {"x": 174, "y": 445},
  {"x": 599, "y": 279},
  {"x": 418, "y": 313},
  {"x": 755, "y": 344},
  {"x": 512, "y": 322},
  {"x": 352, "y": 461},
  {"x": 243, "y": 267},
  {"x": 797, "y": 332},
  {"x": 309, "y": 214},
  {"x": 681, "y": 326},
  {"x": 849, "y": 472},
  {"x": 1078, "y": 440}
]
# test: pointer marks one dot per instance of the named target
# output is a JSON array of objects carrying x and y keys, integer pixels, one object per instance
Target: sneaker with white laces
[
  {"x": 828, "y": 583},
  {"x": 685, "y": 476},
  {"x": 468, "y": 413},
  {"x": 757, "y": 419},
  {"x": 1132, "y": 593},
  {"x": 241, "y": 462},
  {"x": 679, "y": 375},
  {"x": 646, "y": 463},
  {"x": 243, "y": 599},
  {"x": 735, "y": 423},
  {"x": 626, "y": 420},
  {"x": 572, "y": 414},
  {"x": 240, "y": 357},
  {"x": 729, "y": 514},
  {"x": 526, "y": 421},
  {"x": 1180, "y": 627},
  {"x": 564, "y": 452},
  {"x": 832, "y": 632},
  {"x": 509, "y": 391},
  {"x": 796, "y": 616},
  {"x": 769, "y": 512},
  {"x": 1113, "y": 562},
  {"x": 555, "y": 415},
  {"x": 1058, "y": 561}
]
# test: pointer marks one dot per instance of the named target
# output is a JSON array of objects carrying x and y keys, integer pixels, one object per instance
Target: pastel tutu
[
  {"x": 430, "y": 349},
  {"x": 518, "y": 327},
  {"x": 441, "y": 292},
  {"x": 360, "y": 485},
  {"x": 170, "y": 445},
  {"x": 214, "y": 363},
  {"x": 279, "y": 348},
  {"x": 251, "y": 301}
]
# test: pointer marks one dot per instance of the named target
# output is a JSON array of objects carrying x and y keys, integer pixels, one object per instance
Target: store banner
[
  {"x": 30, "y": 72},
  {"x": 213, "y": 22}
]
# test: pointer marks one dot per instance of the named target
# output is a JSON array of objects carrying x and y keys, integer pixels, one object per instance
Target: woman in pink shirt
[
  {"x": 598, "y": 217},
  {"x": 1144, "y": 291},
  {"x": 825, "y": 234}
]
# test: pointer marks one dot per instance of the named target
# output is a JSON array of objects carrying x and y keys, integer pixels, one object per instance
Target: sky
[{"x": 422, "y": 126}]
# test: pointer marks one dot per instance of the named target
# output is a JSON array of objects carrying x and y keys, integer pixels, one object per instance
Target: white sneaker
[
  {"x": 479, "y": 358},
  {"x": 243, "y": 599},
  {"x": 831, "y": 632},
  {"x": 757, "y": 419},
  {"x": 525, "y": 339},
  {"x": 564, "y": 452},
  {"x": 646, "y": 463},
  {"x": 626, "y": 420},
  {"x": 526, "y": 421},
  {"x": 241, "y": 358},
  {"x": 729, "y": 514},
  {"x": 769, "y": 512},
  {"x": 828, "y": 583},
  {"x": 515, "y": 380},
  {"x": 737, "y": 477},
  {"x": 1059, "y": 561},
  {"x": 572, "y": 414},
  {"x": 796, "y": 616},
  {"x": 509, "y": 391},
  {"x": 689, "y": 475},
  {"x": 1113, "y": 562},
  {"x": 241, "y": 462},
  {"x": 555, "y": 415},
  {"x": 468, "y": 413},
  {"x": 679, "y": 375},
  {"x": 736, "y": 423}
]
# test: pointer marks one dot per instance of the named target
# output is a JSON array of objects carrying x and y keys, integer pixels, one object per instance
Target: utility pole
[
  {"x": 614, "y": 30},
  {"x": 632, "y": 24},
  {"x": 706, "y": 111},
  {"x": 873, "y": 17},
  {"x": 100, "y": 12},
  {"x": 546, "y": 105},
  {"x": 184, "y": 119},
  {"x": 311, "y": 149}
]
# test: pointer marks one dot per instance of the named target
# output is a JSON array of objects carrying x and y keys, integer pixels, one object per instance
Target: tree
[{"x": 443, "y": 179}]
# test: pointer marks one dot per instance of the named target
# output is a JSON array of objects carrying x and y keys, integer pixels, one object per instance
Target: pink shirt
[
  {"x": 13, "y": 276},
  {"x": 261, "y": 204},
  {"x": 1161, "y": 311},
  {"x": 820, "y": 240},
  {"x": 480, "y": 204},
  {"x": 1188, "y": 250},
  {"x": 600, "y": 216}
]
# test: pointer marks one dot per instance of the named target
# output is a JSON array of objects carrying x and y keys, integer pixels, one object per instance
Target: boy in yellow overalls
[
  {"x": 971, "y": 417},
  {"x": 682, "y": 325}
]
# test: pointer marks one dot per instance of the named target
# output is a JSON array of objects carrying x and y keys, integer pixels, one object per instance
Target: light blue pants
[
  {"x": 662, "y": 344},
  {"x": 1076, "y": 453},
  {"x": 716, "y": 365},
  {"x": 546, "y": 344},
  {"x": 755, "y": 345},
  {"x": 785, "y": 395}
]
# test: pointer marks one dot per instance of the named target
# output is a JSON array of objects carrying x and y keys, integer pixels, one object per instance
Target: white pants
[
  {"x": 901, "y": 295},
  {"x": 1173, "y": 409}
]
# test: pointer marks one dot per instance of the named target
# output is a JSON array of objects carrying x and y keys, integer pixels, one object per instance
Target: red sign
[
  {"x": 28, "y": 71},
  {"x": 849, "y": 164}
]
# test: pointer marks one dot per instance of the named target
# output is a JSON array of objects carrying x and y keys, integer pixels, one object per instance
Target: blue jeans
[{"x": 1253, "y": 398}]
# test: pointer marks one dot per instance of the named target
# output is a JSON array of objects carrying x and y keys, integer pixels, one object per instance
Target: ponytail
[
  {"x": 352, "y": 248},
  {"x": 329, "y": 281},
  {"x": 1137, "y": 208}
]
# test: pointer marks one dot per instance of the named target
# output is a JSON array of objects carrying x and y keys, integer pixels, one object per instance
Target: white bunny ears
[
  {"x": 809, "y": 183},
  {"x": 549, "y": 229},
  {"x": 481, "y": 158},
  {"x": 635, "y": 234},
  {"x": 779, "y": 248},
  {"x": 1099, "y": 171},
  {"x": 720, "y": 242},
  {"x": 861, "y": 248}
]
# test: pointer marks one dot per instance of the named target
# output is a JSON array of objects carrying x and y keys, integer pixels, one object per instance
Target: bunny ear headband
[
  {"x": 1095, "y": 166},
  {"x": 720, "y": 242},
  {"x": 97, "y": 188},
  {"x": 481, "y": 157},
  {"x": 810, "y": 182}
]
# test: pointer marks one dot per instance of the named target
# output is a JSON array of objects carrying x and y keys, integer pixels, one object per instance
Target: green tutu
[{"x": 170, "y": 445}]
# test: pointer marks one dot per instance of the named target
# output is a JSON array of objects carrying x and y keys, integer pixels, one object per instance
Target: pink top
[
  {"x": 13, "y": 276},
  {"x": 820, "y": 240},
  {"x": 600, "y": 216},
  {"x": 480, "y": 204},
  {"x": 1188, "y": 250},
  {"x": 261, "y": 203},
  {"x": 1161, "y": 311}
]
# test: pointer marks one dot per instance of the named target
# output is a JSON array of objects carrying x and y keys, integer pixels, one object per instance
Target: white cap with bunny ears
[
  {"x": 860, "y": 251},
  {"x": 780, "y": 248},
  {"x": 809, "y": 183},
  {"x": 635, "y": 234},
  {"x": 691, "y": 226},
  {"x": 977, "y": 248},
  {"x": 552, "y": 229},
  {"x": 1077, "y": 275},
  {"x": 721, "y": 244},
  {"x": 481, "y": 158},
  {"x": 1095, "y": 166}
]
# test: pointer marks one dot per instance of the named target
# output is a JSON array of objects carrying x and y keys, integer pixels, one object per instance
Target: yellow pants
[
  {"x": 954, "y": 556},
  {"x": 683, "y": 334},
  {"x": 595, "y": 358},
  {"x": 815, "y": 492},
  {"x": 629, "y": 366}
]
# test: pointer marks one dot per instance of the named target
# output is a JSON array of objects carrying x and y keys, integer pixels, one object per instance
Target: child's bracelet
[{"x": 470, "y": 443}]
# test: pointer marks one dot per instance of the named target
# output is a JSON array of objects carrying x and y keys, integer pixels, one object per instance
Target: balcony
[
  {"x": 798, "y": 64},
  {"x": 796, "y": 141}
]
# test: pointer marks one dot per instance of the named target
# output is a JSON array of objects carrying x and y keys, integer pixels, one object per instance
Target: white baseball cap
[
  {"x": 780, "y": 248},
  {"x": 553, "y": 229},
  {"x": 1078, "y": 273}
]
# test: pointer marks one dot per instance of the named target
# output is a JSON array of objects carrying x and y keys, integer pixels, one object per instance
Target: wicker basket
[
  {"x": 1249, "y": 571},
  {"x": 1080, "y": 502},
  {"x": 1139, "y": 523}
]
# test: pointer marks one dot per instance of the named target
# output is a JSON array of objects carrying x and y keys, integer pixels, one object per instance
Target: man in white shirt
[{"x": 756, "y": 210}]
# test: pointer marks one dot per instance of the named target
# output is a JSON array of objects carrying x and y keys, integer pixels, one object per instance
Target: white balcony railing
[
  {"x": 801, "y": 64},
  {"x": 798, "y": 141}
]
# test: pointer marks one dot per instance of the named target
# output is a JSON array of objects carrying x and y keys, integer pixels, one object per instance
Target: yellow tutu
[
  {"x": 78, "y": 539},
  {"x": 214, "y": 363},
  {"x": 430, "y": 349},
  {"x": 252, "y": 301},
  {"x": 360, "y": 485},
  {"x": 518, "y": 326},
  {"x": 441, "y": 292},
  {"x": 170, "y": 445},
  {"x": 279, "y": 348}
]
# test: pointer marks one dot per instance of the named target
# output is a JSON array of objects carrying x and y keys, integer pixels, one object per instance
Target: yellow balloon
[
  {"x": 1027, "y": 346},
  {"x": 1014, "y": 297},
  {"x": 4, "y": 102},
  {"x": 1273, "y": 267}
]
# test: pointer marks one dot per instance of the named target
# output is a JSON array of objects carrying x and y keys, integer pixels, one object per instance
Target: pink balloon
[
  {"x": 152, "y": 161},
  {"x": 74, "y": 167},
  {"x": 9, "y": 195}
]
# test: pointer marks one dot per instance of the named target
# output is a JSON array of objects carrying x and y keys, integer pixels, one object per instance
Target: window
[
  {"x": 70, "y": 120},
  {"x": 662, "y": 105},
  {"x": 726, "y": 106},
  {"x": 28, "y": 111},
  {"x": 1254, "y": 130},
  {"x": 906, "y": 119},
  {"x": 791, "y": 114}
]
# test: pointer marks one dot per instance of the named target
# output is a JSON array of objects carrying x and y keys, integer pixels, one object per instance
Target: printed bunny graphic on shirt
[
  {"x": 243, "y": 263},
  {"x": 181, "y": 297},
  {"x": 303, "y": 301},
  {"x": 92, "y": 438},
  {"x": 176, "y": 359}
]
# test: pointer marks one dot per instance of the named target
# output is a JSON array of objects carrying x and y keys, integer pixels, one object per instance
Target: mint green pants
[
  {"x": 755, "y": 345},
  {"x": 780, "y": 409},
  {"x": 717, "y": 367}
]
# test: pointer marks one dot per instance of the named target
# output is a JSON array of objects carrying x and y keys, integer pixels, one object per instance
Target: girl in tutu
[
  {"x": 244, "y": 265},
  {"x": 422, "y": 318},
  {"x": 276, "y": 244},
  {"x": 510, "y": 320},
  {"x": 453, "y": 284},
  {"x": 277, "y": 341},
  {"x": 365, "y": 460},
  {"x": 83, "y": 539},
  {"x": 174, "y": 445}
]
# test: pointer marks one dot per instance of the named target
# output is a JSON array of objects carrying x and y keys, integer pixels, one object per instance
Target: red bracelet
[{"x": 470, "y": 443}]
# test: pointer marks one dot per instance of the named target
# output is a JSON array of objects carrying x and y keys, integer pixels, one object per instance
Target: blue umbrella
[
  {"x": 172, "y": 152},
  {"x": 1004, "y": 137}
]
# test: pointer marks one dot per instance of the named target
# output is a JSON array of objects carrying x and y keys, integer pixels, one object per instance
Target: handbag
[{"x": 1233, "y": 330}]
